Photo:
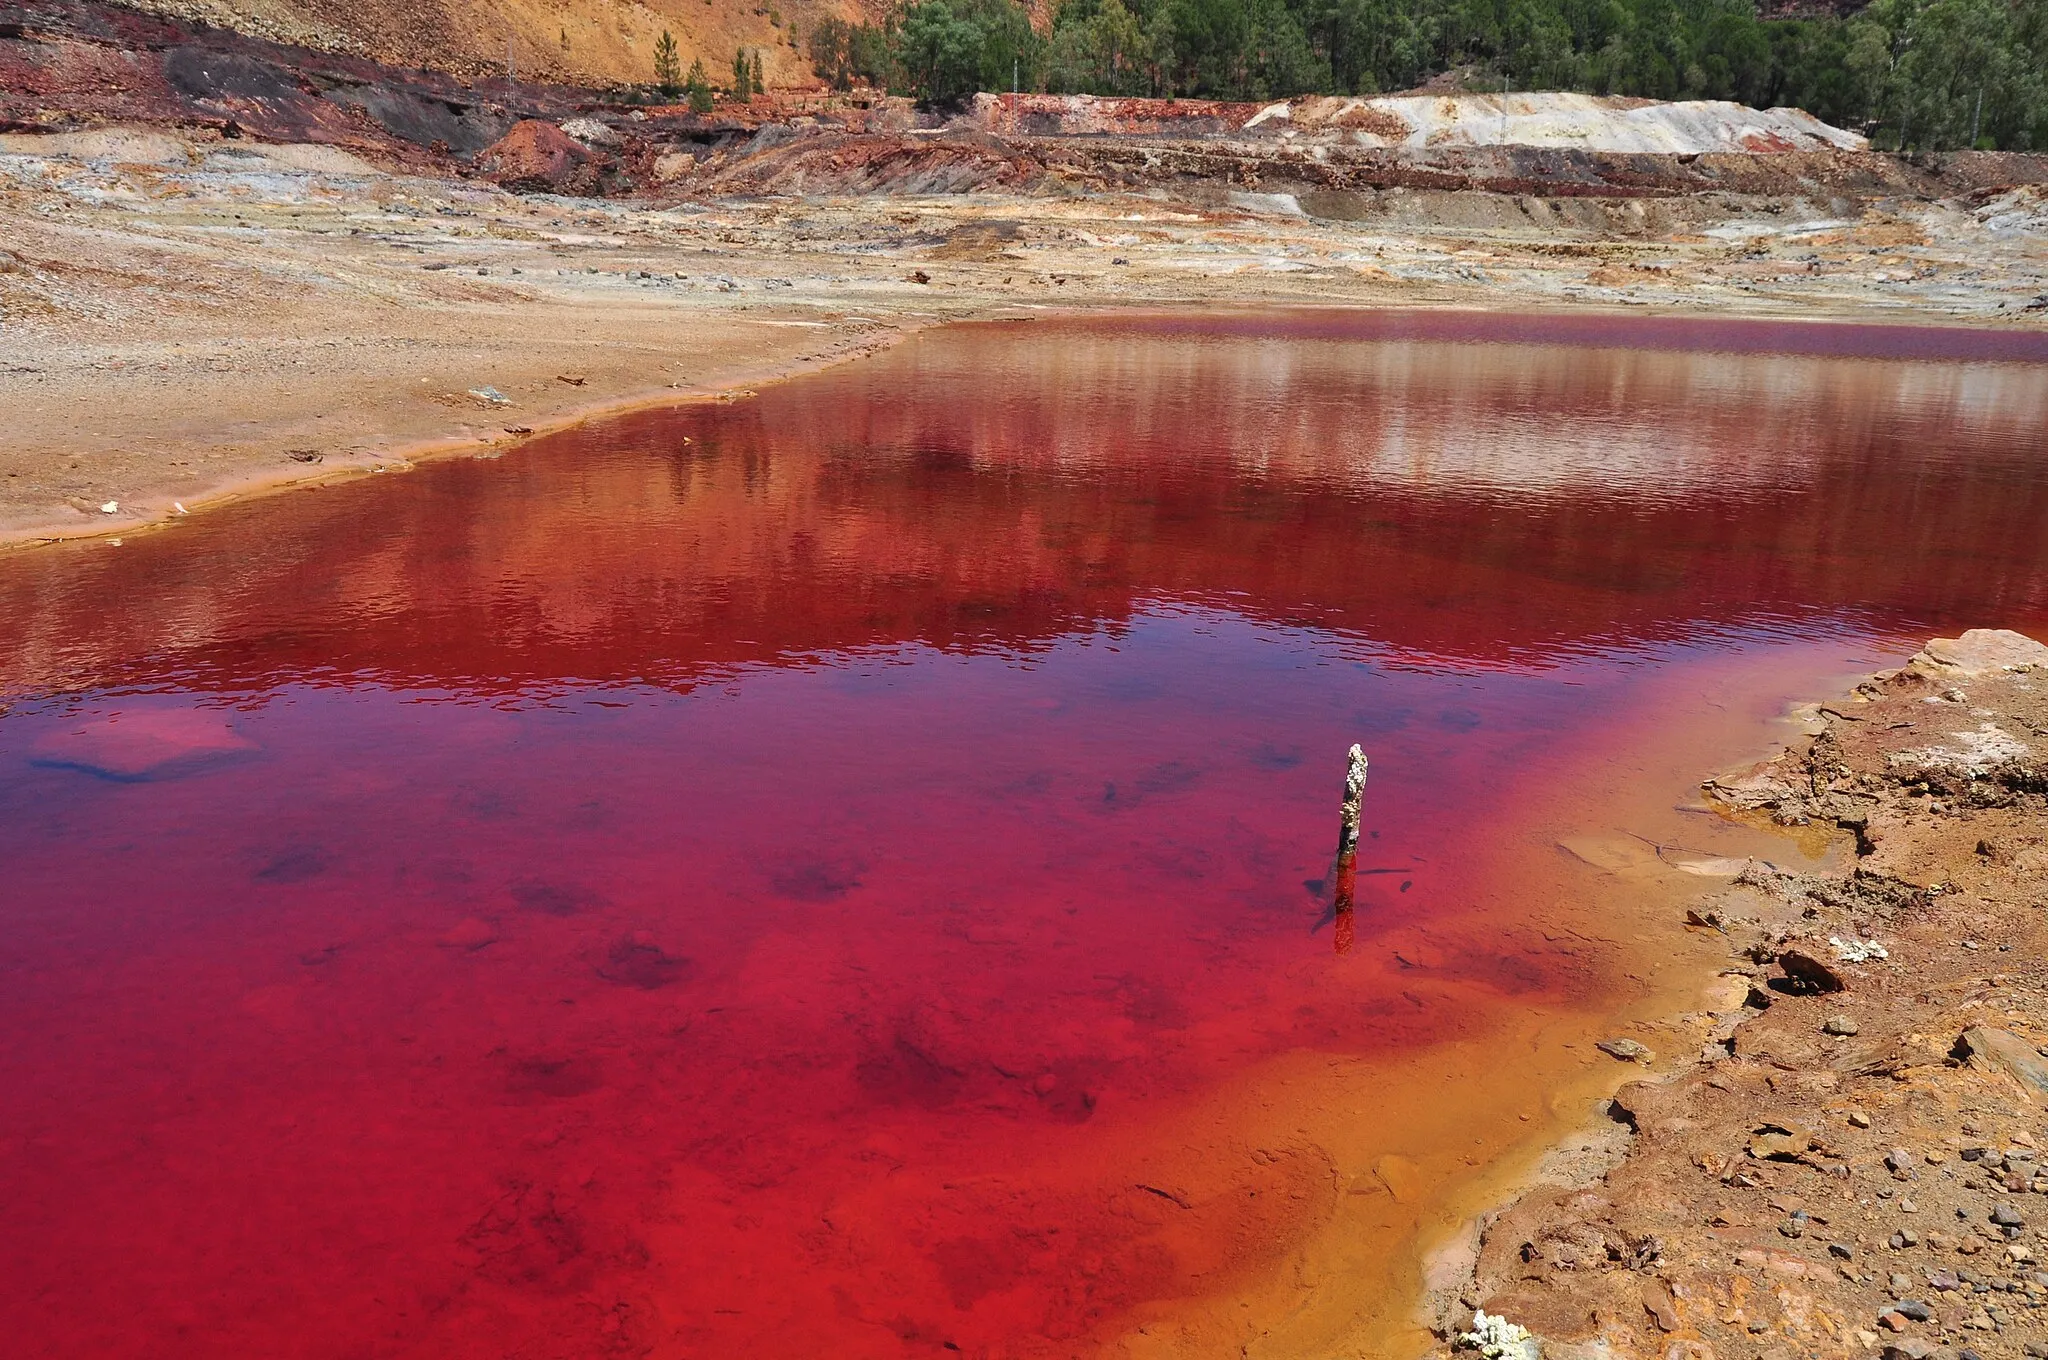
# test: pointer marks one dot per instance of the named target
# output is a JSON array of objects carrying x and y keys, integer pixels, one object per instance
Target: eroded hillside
[{"x": 591, "y": 42}]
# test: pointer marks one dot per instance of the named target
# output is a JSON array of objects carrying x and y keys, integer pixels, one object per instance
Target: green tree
[
  {"x": 843, "y": 53},
  {"x": 940, "y": 51},
  {"x": 699, "y": 86},
  {"x": 1945, "y": 73},
  {"x": 1106, "y": 52},
  {"x": 1919, "y": 74},
  {"x": 829, "y": 46},
  {"x": 668, "y": 68}
]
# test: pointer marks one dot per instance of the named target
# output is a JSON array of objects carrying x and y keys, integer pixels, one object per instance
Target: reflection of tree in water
[{"x": 1485, "y": 504}]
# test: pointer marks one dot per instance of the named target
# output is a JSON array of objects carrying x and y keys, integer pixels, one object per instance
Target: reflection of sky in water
[{"x": 1495, "y": 420}]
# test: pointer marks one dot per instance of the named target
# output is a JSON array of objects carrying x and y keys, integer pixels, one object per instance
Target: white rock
[
  {"x": 1980, "y": 651},
  {"x": 1496, "y": 1338},
  {"x": 1974, "y": 753},
  {"x": 590, "y": 132}
]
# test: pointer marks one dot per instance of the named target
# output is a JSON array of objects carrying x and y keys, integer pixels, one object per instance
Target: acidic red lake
[{"x": 847, "y": 872}]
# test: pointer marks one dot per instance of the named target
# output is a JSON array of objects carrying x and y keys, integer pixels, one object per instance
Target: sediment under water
[{"x": 847, "y": 872}]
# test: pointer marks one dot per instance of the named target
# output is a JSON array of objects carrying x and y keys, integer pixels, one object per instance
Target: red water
[{"x": 788, "y": 878}]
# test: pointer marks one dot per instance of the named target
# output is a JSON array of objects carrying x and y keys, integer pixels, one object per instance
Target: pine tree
[
  {"x": 668, "y": 68},
  {"x": 742, "y": 75},
  {"x": 699, "y": 86}
]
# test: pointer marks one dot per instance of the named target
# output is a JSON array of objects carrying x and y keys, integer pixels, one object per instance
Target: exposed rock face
[
  {"x": 1417, "y": 122},
  {"x": 1850, "y": 1165},
  {"x": 589, "y": 41},
  {"x": 1598, "y": 164},
  {"x": 815, "y": 161},
  {"x": 72, "y": 64}
]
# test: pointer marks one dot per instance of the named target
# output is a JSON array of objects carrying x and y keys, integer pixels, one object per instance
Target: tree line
[
  {"x": 670, "y": 80},
  {"x": 1913, "y": 74}
]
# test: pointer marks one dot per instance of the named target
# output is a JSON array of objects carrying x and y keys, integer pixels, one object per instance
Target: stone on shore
[
  {"x": 1626, "y": 1050},
  {"x": 2001, "y": 1050},
  {"x": 1980, "y": 651},
  {"x": 1810, "y": 973}
]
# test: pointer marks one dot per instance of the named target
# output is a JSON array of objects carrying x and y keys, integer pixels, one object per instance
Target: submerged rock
[
  {"x": 160, "y": 743},
  {"x": 637, "y": 961},
  {"x": 469, "y": 935},
  {"x": 1626, "y": 1050}
]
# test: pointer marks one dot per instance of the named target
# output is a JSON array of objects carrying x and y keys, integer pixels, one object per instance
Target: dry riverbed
[
  {"x": 1848, "y": 1155},
  {"x": 184, "y": 319}
]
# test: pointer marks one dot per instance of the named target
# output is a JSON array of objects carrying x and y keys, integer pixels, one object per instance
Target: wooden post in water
[
  {"x": 1341, "y": 910},
  {"x": 1354, "y": 794},
  {"x": 1347, "y": 846}
]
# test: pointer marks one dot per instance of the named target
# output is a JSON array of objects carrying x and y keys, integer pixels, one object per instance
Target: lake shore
[
  {"x": 184, "y": 333},
  {"x": 190, "y": 322},
  {"x": 1845, "y": 1158}
]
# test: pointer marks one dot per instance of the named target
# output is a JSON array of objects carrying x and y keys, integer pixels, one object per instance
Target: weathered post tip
[{"x": 1354, "y": 795}]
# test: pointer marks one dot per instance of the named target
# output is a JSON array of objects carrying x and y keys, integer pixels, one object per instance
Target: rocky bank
[{"x": 1853, "y": 1161}]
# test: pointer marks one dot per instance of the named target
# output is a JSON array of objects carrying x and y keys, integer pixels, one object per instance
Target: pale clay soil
[{"x": 185, "y": 320}]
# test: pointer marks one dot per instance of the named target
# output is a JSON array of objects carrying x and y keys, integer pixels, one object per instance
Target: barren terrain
[
  {"x": 589, "y": 41},
  {"x": 312, "y": 266},
  {"x": 1844, "y": 1155},
  {"x": 228, "y": 263},
  {"x": 184, "y": 316}
]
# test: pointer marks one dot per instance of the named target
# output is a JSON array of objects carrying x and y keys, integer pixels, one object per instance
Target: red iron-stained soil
[{"x": 846, "y": 873}]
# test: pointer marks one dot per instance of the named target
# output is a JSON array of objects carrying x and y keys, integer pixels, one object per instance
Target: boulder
[
  {"x": 1780, "y": 1142},
  {"x": 2004, "y": 1051},
  {"x": 539, "y": 157},
  {"x": 1809, "y": 974},
  {"x": 1980, "y": 651},
  {"x": 591, "y": 132}
]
